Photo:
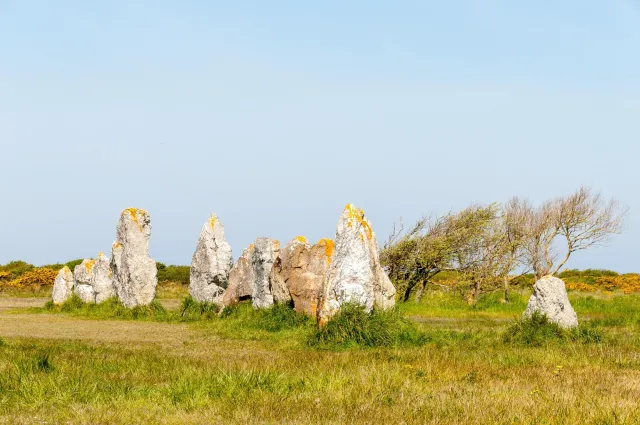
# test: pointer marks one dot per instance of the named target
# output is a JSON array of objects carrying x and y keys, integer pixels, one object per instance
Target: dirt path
[
  {"x": 11, "y": 303},
  {"x": 50, "y": 326}
]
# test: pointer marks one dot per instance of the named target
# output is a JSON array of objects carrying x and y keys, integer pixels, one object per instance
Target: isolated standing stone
[
  {"x": 550, "y": 298},
  {"x": 134, "y": 271},
  {"x": 83, "y": 286},
  {"x": 304, "y": 269},
  {"x": 211, "y": 263},
  {"x": 102, "y": 279},
  {"x": 268, "y": 286},
  {"x": 241, "y": 279},
  {"x": 63, "y": 286},
  {"x": 355, "y": 275}
]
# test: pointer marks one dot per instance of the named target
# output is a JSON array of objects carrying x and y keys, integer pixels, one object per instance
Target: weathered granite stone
[
  {"x": 211, "y": 263},
  {"x": 83, "y": 287},
  {"x": 102, "y": 279},
  {"x": 134, "y": 271},
  {"x": 355, "y": 275},
  {"x": 550, "y": 298},
  {"x": 266, "y": 283},
  {"x": 63, "y": 286},
  {"x": 304, "y": 270},
  {"x": 241, "y": 279}
]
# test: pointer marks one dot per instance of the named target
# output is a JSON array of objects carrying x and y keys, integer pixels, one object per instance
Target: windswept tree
[{"x": 566, "y": 225}]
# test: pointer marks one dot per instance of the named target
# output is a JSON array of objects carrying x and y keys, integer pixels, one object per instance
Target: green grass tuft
[
  {"x": 353, "y": 326},
  {"x": 193, "y": 310},
  {"x": 111, "y": 308},
  {"x": 538, "y": 330}
]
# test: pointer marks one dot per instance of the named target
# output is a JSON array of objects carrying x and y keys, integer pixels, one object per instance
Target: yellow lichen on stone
[
  {"x": 89, "y": 265},
  {"x": 301, "y": 239},
  {"x": 117, "y": 245},
  {"x": 66, "y": 269},
  {"x": 133, "y": 212},
  {"x": 212, "y": 221},
  {"x": 328, "y": 247},
  {"x": 100, "y": 254},
  {"x": 356, "y": 215}
]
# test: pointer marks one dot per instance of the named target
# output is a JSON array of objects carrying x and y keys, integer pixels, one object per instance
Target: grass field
[{"x": 83, "y": 367}]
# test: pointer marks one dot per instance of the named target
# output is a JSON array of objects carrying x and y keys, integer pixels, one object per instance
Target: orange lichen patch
[
  {"x": 212, "y": 221},
  {"x": 251, "y": 247},
  {"x": 101, "y": 254},
  {"x": 301, "y": 239},
  {"x": 89, "y": 265},
  {"x": 133, "y": 212},
  {"x": 356, "y": 215},
  {"x": 329, "y": 245},
  {"x": 117, "y": 245},
  {"x": 110, "y": 273}
]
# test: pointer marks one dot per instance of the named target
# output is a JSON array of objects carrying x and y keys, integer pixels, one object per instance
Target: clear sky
[{"x": 275, "y": 114}]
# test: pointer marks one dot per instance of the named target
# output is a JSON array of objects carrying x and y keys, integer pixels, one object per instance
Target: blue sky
[{"x": 276, "y": 114}]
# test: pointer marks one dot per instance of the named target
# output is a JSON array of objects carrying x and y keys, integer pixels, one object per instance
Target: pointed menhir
[
  {"x": 211, "y": 263},
  {"x": 63, "y": 286},
  {"x": 134, "y": 271},
  {"x": 355, "y": 275}
]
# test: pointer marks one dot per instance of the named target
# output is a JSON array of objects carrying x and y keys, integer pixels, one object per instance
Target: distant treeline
[{"x": 20, "y": 274}]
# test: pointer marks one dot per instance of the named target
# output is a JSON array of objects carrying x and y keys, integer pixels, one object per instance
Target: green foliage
[
  {"x": 177, "y": 274},
  {"x": 15, "y": 269},
  {"x": 352, "y": 326},
  {"x": 586, "y": 273},
  {"x": 537, "y": 330},
  {"x": 194, "y": 310}
]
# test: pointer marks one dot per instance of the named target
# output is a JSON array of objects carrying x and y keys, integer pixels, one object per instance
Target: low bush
[
  {"x": 353, "y": 326},
  {"x": 538, "y": 330}
]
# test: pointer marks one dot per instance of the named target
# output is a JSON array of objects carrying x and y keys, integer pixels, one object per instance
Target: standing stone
[
  {"x": 134, "y": 271},
  {"x": 355, "y": 275},
  {"x": 304, "y": 269},
  {"x": 82, "y": 274},
  {"x": 211, "y": 263},
  {"x": 268, "y": 286},
  {"x": 63, "y": 286},
  {"x": 102, "y": 279},
  {"x": 550, "y": 298},
  {"x": 241, "y": 279}
]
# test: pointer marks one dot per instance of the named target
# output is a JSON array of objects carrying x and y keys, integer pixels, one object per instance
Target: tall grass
[
  {"x": 111, "y": 308},
  {"x": 352, "y": 326},
  {"x": 538, "y": 330}
]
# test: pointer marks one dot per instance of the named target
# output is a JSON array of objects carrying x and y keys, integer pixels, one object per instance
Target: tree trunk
[
  {"x": 420, "y": 291},
  {"x": 506, "y": 289}
]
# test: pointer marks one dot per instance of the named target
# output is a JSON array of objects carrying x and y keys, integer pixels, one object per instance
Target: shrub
[
  {"x": 178, "y": 274},
  {"x": 353, "y": 326},
  {"x": 537, "y": 330},
  {"x": 35, "y": 277}
]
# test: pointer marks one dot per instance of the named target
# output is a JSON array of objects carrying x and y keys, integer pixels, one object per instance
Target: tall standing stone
[
  {"x": 211, "y": 263},
  {"x": 355, "y": 275},
  {"x": 82, "y": 274},
  {"x": 550, "y": 299},
  {"x": 304, "y": 270},
  {"x": 268, "y": 286},
  {"x": 63, "y": 286},
  {"x": 102, "y": 279},
  {"x": 241, "y": 279},
  {"x": 134, "y": 271}
]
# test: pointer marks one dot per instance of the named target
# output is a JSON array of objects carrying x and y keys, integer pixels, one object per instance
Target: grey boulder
[
  {"x": 102, "y": 279},
  {"x": 82, "y": 275},
  {"x": 211, "y": 263},
  {"x": 550, "y": 298}
]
